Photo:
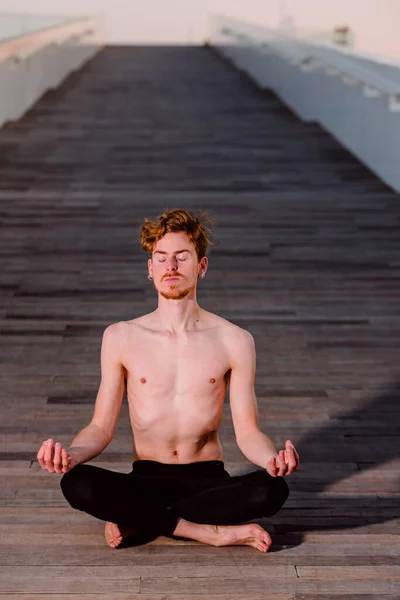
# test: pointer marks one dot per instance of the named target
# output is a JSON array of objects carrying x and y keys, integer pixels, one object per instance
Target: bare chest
[{"x": 191, "y": 367}]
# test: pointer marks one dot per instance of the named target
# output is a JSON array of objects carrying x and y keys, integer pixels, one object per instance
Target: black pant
[{"x": 153, "y": 497}]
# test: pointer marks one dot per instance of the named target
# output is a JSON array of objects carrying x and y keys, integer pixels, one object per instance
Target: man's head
[{"x": 177, "y": 244}]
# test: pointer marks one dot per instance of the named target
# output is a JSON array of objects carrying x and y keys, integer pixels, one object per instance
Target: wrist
[{"x": 76, "y": 455}]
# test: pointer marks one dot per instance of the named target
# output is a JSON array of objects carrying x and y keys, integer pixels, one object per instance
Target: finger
[
  {"x": 286, "y": 455},
  {"x": 280, "y": 463},
  {"x": 283, "y": 463},
  {"x": 271, "y": 467},
  {"x": 292, "y": 463},
  {"x": 297, "y": 458},
  {"x": 40, "y": 455},
  {"x": 48, "y": 456},
  {"x": 57, "y": 458},
  {"x": 64, "y": 458}
]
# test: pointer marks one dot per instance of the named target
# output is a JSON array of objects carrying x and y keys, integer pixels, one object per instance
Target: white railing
[
  {"x": 353, "y": 68},
  {"x": 16, "y": 25},
  {"x": 354, "y": 95},
  {"x": 41, "y": 58}
]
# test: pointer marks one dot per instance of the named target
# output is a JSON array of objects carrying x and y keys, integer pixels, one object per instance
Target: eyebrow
[{"x": 177, "y": 252}]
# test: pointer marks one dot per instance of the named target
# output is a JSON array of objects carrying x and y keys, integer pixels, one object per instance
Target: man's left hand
[{"x": 285, "y": 463}]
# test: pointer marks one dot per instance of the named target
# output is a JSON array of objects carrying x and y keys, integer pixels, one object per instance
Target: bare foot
[
  {"x": 244, "y": 535},
  {"x": 114, "y": 535},
  {"x": 225, "y": 535}
]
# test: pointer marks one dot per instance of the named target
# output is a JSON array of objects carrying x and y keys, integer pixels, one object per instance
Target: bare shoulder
[
  {"x": 114, "y": 337},
  {"x": 115, "y": 331},
  {"x": 124, "y": 328},
  {"x": 236, "y": 338},
  {"x": 117, "y": 338},
  {"x": 140, "y": 325}
]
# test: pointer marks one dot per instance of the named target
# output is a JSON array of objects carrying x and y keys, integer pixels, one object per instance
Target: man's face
[{"x": 174, "y": 266}]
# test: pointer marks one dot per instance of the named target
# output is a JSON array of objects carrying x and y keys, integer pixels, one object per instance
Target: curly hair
[{"x": 197, "y": 227}]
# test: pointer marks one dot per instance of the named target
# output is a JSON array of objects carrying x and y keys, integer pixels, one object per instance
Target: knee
[
  {"x": 279, "y": 495},
  {"x": 272, "y": 493},
  {"x": 75, "y": 486}
]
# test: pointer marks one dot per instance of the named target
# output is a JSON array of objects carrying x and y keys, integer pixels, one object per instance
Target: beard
[{"x": 174, "y": 293}]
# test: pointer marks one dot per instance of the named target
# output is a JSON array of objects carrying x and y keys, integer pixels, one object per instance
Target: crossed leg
[
  {"x": 226, "y": 535},
  {"x": 209, "y": 512},
  {"x": 214, "y": 535},
  {"x": 234, "y": 500}
]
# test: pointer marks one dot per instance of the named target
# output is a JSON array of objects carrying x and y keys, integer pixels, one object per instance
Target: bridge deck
[{"x": 307, "y": 258}]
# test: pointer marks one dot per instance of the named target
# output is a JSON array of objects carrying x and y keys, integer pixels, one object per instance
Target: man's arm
[
  {"x": 257, "y": 447},
  {"x": 94, "y": 438}
]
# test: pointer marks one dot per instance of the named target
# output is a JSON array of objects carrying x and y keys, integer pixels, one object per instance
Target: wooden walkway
[{"x": 307, "y": 258}]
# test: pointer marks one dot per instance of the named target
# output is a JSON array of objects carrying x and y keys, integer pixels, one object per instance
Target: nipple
[
  {"x": 143, "y": 380},
  {"x": 212, "y": 380}
]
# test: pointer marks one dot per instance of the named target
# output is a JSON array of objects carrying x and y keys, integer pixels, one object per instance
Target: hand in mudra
[
  {"x": 285, "y": 463},
  {"x": 54, "y": 458}
]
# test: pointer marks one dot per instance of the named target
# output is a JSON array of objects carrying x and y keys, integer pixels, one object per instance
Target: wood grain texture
[
  {"x": 381, "y": 572},
  {"x": 256, "y": 584},
  {"x": 306, "y": 257},
  {"x": 134, "y": 596}
]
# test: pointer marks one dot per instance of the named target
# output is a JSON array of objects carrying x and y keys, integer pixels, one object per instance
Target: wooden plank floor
[{"x": 307, "y": 258}]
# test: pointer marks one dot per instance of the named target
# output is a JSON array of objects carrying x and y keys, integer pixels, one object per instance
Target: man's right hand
[{"x": 55, "y": 459}]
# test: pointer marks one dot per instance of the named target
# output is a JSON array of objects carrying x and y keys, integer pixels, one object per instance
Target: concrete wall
[
  {"x": 375, "y": 22},
  {"x": 34, "y": 63},
  {"x": 355, "y": 98}
]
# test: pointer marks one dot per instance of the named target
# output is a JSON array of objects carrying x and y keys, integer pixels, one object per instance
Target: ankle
[
  {"x": 196, "y": 531},
  {"x": 184, "y": 528},
  {"x": 181, "y": 528}
]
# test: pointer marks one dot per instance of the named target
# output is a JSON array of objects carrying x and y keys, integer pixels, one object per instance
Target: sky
[{"x": 375, "y": 22}]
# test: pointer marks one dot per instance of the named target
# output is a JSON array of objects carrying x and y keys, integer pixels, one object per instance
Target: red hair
[{"x": 197, "y": 228}]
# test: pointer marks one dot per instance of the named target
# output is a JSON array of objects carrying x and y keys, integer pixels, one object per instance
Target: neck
[{"x": 177, "y": 316}]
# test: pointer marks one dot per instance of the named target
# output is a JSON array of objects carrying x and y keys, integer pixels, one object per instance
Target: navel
[
  {"x": 212, "y": 380},
  {"x": 143, "y": 380}
]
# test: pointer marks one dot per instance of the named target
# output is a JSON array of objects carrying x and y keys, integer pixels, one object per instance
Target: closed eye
[{"x": 161, "y": 260}]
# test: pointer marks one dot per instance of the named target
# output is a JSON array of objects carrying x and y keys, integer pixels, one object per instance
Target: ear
[
  {"x": 203, "y": 265},
  {"x": 150, "y": 266}
]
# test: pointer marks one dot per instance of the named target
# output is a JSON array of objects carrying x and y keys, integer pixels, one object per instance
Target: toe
[
  {"x": 113, "y": 535},
  {"x": 261, "y": 547},
  {"x": 267, "y": 540},
  {"x": 266, "y": 547}
]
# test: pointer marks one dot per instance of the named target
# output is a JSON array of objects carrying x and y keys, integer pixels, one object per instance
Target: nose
[{"x": 171, "y": 264}]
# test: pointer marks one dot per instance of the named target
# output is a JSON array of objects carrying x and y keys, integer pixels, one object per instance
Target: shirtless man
[{"x": 177, "y": 361}]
